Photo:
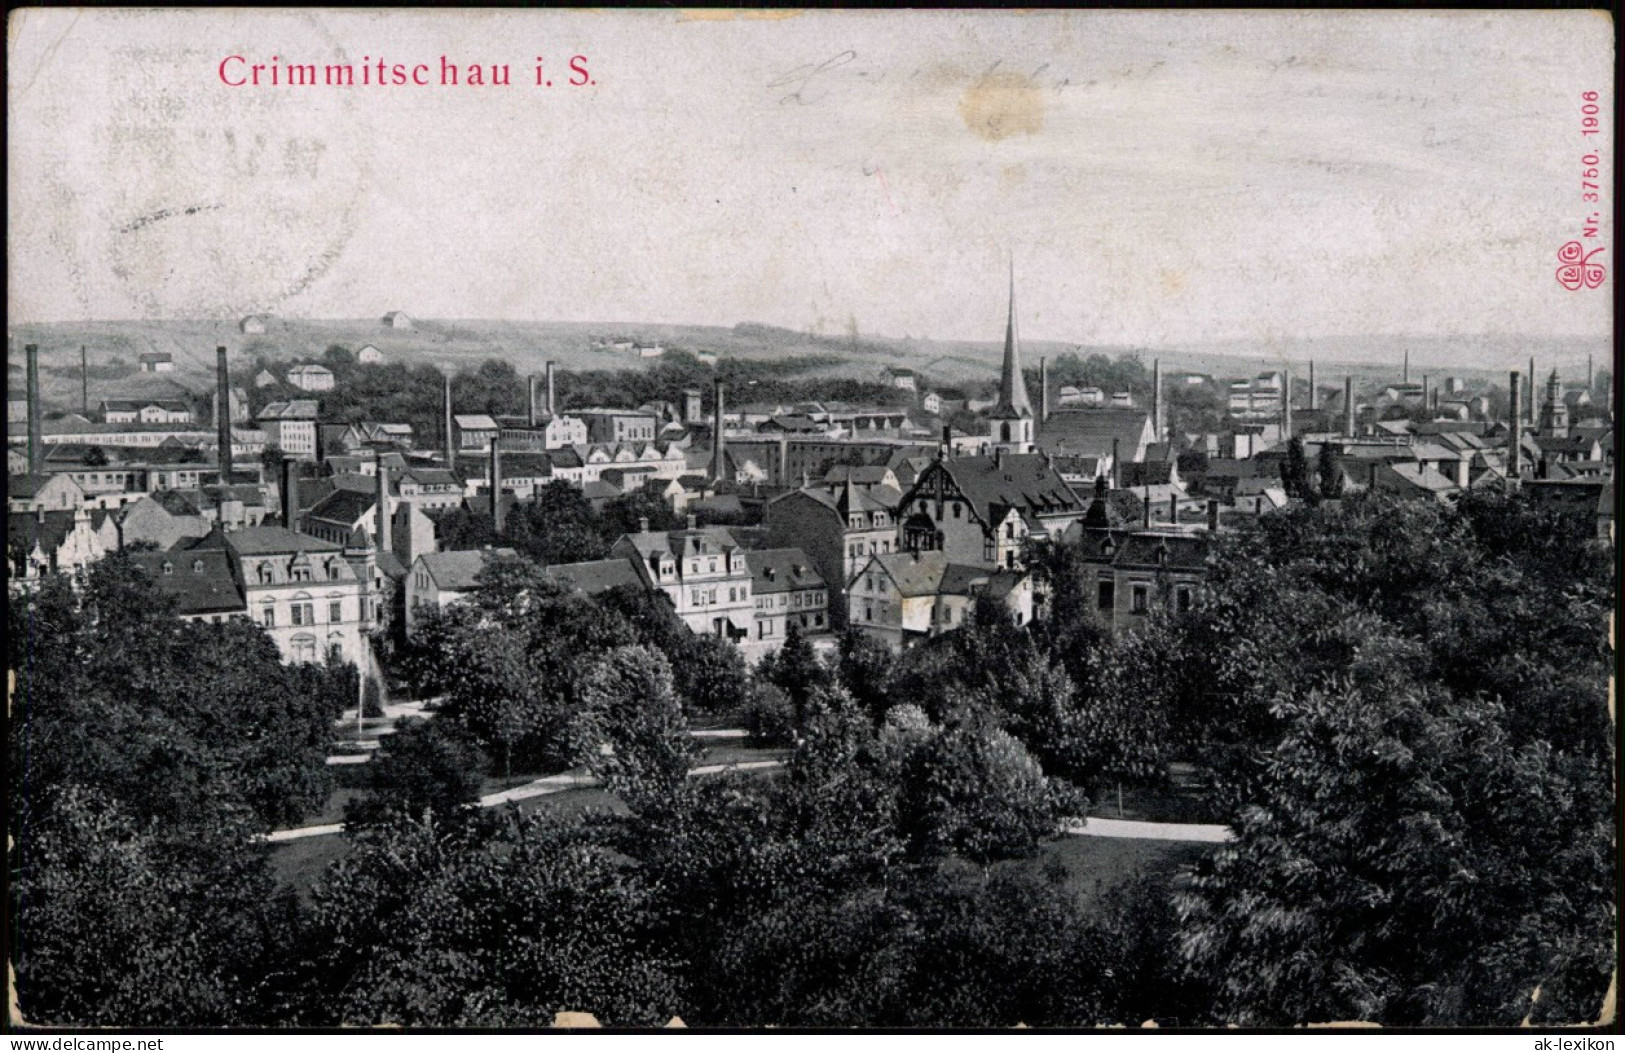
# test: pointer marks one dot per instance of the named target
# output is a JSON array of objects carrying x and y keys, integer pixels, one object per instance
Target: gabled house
[
  {"x": 981, "y": 511},
  {"x": 701, "y": 570}
]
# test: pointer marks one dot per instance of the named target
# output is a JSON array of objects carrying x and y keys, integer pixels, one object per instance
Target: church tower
[
  {"x": 1010, "y": 422},
  {"x": 1554, "y": 415}
]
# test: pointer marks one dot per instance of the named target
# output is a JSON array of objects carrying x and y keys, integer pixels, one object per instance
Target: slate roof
[
  {"x": 914, "y": 573},
  {"x": 263, "y": 541},
  {"x": 782, "y": 570},
  {"x": 344, "y": 506},
  {"x": 200, "y": 582},
  {"x": 1024, "y": 481},
  {"x": 595, "y": 576},
  {"x": 1090, "y": 431},
  {"x": 48, "y": 529},
  {"x": 457, "y": 571}
]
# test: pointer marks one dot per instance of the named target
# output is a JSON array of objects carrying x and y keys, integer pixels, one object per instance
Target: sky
[{"x": 1156, "y": 177}]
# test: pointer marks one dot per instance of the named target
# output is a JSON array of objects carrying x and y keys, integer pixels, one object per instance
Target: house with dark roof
[
  {"x": 341, "y": 513},
  {"x": 439, "y": 579},
  {"x": 901, "y": 598},
  {"x": 201, "y": 584},
  {"x": 983, "y": 510},
  {"x": 1099, "y": 432},
  {"x": 702, "y": 570},
  {"x": 788, "y": 590},
  {"x": 838, "y": 528},
  {"x": 40, "y": 543},
  {"x": 596, "y": 576},
  {"x": 1133, "y": 573},
  {"x": 317, "y": 599}
]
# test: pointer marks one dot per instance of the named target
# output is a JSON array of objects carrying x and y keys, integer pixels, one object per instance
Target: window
[
  {"x": 1140, "y": 598},
  {"x": 1182, "y": 599},
  {"x": 304, "y": 648},
  {"x": 818, "y": 620},
  {"x": 197, "y": 566},
  {"x": 335, "y": 611},
  {"x": 169, "y": 568},
  {"x": 332, "y": 571},
  {"x": 868, "y": 613},
  {"x": 957, "y": 510},
  {"x": 269, "y": 616},
  {"x": 1106, "y": 597},
  {"x": 694, "y": 597}
]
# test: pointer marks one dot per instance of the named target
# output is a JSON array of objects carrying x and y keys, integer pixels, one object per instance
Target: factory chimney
[
  {"x": 530, "y": 403},
  {"x": 290, "y": 493},
  {"x": 1312, "y": 399},
  {"x": 222, "y": 413},
  {"x": 1529, "y": 395},
  {"x": 1043, "y": 391},
  {"x": 84, "y": 379},
  {"x": 1348, "y": 407},
  {"x": 383, "y": 511},
  {"x": 1117, "y": 474},
  {"x": 552, "y": 404},
  {"x": 451, "y": 449},
  {"x": 1515, "y": 439},
  {"x": 1156, "y": 400},
  {"x": 36, "y": 450},
  {"x": 496, "y": 485},
  {"x": 719, "y": 465},
  {"x": 1286, "y": 407}
]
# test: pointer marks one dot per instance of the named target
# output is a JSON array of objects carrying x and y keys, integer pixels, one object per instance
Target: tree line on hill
[{"x": 1400, "y": 709}]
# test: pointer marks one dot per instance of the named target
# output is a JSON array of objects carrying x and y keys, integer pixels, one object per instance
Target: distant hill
[{"x": 115, "y": 347}]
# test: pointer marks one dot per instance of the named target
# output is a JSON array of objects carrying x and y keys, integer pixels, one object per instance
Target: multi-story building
[
  {"x": 67, "y": 541},
  {"x": 838, "y": 529},
  {"x": 982, "y": 511},
  {"x": 430, "y": 488},
  {"x": 475, "y": 432},
  {"x": 905, "y": 597},
  {"x": 311, "y": 378},
  {"x": 145, "y": 411},
  {"x": 702, "y": 571},
  {"x": 787, "y": 590},
  {"x": 317, "y": 599},
  {"x": 1138, "y": 572},
  {"x": 291, "y": 427},
  {"x": 615, "y": 425},
  {"x": 439, "y": 579}
]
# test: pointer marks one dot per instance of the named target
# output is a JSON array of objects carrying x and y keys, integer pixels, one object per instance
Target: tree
[
  {"x": 1329, "y": 473},
  {"x": 865, "y": 671},
  {"x": 95, "y": 457},
  {"x": 795, "y": 669},
  {"x": 426, "y": 766},
  {"x": 1295, "y": 471},
  {"x": 630, "y": 728},
  {"x": 120, "y": 923}
]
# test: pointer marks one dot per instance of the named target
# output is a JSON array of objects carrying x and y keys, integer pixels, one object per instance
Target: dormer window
[
  {"x": 197, "y": 566},
  {"x": 169, "y": 568}
]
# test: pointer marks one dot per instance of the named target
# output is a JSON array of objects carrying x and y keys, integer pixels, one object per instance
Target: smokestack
[
  {"x": 1515, "y": 439},
  {"x": 1407, "y": 377},
  {"x": 719, "y": 467},
  {"x": 1590, "y": 377},
  {"x": 496, "y": 485},
  {"x": 1312, "y": 406},
  {"x": 552, "y": 405},
  {"x": 290, "y": 493},
  {"x": 1043, "y": 390},
  {"x": 222, "y": 413},
  {"x": 784, "y": 461},
  {"x": 1213, "y": 515},
  {"x": 451, "y": 448},
  {"x": 1348, "y": 407},
  {"x": 84, "y": 379},
  {"x": 1529, "y": 396},
  {"x": 1117, "y": 473},
  {"x": 530, "y": 387},
  {"x": 36, "y": 450},
  {"x": 383, "y": 510},
  {"x": 1286, "y": 407},
  {"x": 1156, "y": 399},
  {"x": 1425, "y": 402},
  {"x": 1173, "y": 509},
  {"x": 1145, "y": 502}
]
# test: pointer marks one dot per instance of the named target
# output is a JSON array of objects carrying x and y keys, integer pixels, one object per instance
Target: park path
[{"x": 1139, "y": 830}]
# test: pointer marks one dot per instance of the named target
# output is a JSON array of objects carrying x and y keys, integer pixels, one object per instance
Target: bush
[{"x": 770, "y": 716}]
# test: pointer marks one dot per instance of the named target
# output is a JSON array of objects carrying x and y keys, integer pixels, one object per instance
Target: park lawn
[{"x": 1096, "y": 865}]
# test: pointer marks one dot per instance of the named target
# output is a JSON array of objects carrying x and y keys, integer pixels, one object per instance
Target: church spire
[{"x": 1013, "y": 402}]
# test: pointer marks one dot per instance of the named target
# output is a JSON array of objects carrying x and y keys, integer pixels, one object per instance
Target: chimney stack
[
  {"x": 1425, "y": 403},
  {"x": 36, "y": 450},
  {"x": 1117, "y": 474},
  {"x": 693, "y": 521},
  {"x": 1312, "y": 406},
  {"x": 1043, "y": 390},
  {"x": 530, "y": 387},
  {"x": 84, "y": 379},
  {"x": 1590, "y": 376},
  {"x": 496, "y": 485},
  {"x": 383, "y": 511},
  {"x": 1286, "y": 407},
  {"x": 1529, "y": 396},
  {"x": 1515, "y": 439},
  {"x": 222, "y": 413},
  {"x": 1348, "y": 407},
  {"x": 1407, "y": 377},
  {"x": 719, "y": 467},
  {"x": 451, "y": 442},
  {"x": 552, "y": 404},
  {"x": 1213, "y": 515},
  {"x": 643, "y": 524},
  {"x": 1156, "y": 399},
  {"x": 290, "y": 493},
  {"x": 1173, "y": 509}
]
